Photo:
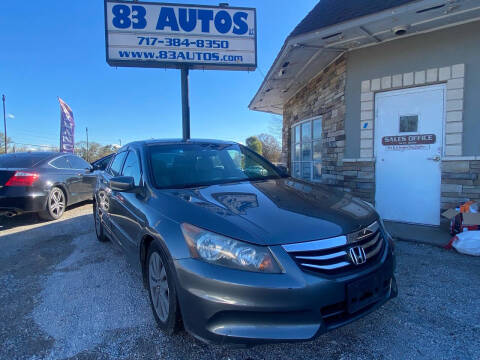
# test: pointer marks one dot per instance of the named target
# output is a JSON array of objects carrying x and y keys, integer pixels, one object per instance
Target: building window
[
  {"x": 307, "y": 150},
  {"x": 409, "y": 123}
]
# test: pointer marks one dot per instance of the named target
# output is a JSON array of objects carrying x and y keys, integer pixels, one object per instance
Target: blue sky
[{"x": 57, "y": 48}]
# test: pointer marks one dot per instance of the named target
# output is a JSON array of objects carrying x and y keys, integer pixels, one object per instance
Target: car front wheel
[
  {"x": 97, "y": 216},
  {"x": 162, "y": 291}
]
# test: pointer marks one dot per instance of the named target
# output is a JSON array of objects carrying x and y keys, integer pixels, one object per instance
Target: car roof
[
  {"x": 49, "y": 154},
  {"x": 38, "y": 157},
  {"x": 38, "y": 153},
  {"x": 175, "y": 142}
]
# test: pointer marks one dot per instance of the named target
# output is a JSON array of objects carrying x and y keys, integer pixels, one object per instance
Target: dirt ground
[{"x": 64, "y": 295}]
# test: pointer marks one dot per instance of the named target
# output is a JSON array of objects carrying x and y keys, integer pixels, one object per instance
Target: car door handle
[{"x": 436, "y": 158}]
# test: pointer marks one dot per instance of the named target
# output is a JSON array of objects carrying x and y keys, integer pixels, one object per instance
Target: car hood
[{"x": 271, "y": 212}]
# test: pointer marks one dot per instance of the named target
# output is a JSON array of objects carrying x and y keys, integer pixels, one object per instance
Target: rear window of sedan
[{"x": 22, "y": 160}]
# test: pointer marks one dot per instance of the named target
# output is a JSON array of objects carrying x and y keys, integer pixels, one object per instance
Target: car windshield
[
  {"x": 20, "y": 160},
  {"x": 191, "y": 165}
]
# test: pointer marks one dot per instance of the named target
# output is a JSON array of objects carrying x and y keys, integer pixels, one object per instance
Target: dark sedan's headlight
[{"x": 221, "y": 250}]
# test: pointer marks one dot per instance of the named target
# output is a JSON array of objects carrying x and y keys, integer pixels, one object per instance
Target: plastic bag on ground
[{"x": 468, "y": 243}]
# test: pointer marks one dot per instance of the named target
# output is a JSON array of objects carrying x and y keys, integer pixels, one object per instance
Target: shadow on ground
[{"x": 28, "y": 219}]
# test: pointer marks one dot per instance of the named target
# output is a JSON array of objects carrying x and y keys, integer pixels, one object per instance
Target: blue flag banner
[{"x": 67, "y": 128}]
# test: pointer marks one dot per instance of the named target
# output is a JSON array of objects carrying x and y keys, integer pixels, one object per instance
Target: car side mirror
[
  {"x": 122, "y": 183},
  {"x": 283, "y": 170},
  {"x": 90, "y": 168}
]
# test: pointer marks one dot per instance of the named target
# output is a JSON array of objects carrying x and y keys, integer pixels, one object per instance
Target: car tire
[
  {"x": 99, "y": 230},
  {"x": 162, "y": 290},
  {"x": 56, "y": 204}
]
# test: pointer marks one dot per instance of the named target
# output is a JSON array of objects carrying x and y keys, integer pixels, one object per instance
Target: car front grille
[{"x": 332, "y": 256}]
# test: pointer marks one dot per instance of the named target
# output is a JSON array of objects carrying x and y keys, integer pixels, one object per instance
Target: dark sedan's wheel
[
  {"x": 56, "y": 204},
  {"x": 162, "y": 291},
  {"x": 97, "y": 216}
]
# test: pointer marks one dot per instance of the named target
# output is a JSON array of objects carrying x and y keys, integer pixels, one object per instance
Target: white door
[{"x": 408, "y": 150}]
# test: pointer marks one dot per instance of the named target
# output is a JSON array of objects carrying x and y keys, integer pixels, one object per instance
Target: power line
[
  {"x": 261, "y": 72},
  {"x": 29, "y": 138},
  {"x": 24, "y": 144}
]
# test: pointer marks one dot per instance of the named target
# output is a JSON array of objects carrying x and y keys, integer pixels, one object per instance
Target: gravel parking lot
[{"x": 65, "y": 295}]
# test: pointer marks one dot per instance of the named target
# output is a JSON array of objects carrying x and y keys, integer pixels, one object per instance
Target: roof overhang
[{"x": 305, "y": 56}]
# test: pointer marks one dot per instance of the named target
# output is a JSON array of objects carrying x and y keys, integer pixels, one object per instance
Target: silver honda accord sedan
[{"x": 235, "y": 250}]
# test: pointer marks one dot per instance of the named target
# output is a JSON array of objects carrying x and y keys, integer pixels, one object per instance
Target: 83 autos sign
[{"x": 172, "y": 35}]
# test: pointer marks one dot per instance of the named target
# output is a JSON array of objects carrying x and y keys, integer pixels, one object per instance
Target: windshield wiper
[{"x": 271, "y": 177}]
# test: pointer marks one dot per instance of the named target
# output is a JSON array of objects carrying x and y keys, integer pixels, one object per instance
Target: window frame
[
  {"x": 313, "y": 140},
  {"x": 76, "y": 157},
  {"x": 139, "y": 160},
  {"x": 109, "y": 168},
  {"x": 60, "y": 168}
]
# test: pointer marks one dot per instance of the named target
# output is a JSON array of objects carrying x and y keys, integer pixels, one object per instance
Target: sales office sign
[{"x": 163, "y": 35}]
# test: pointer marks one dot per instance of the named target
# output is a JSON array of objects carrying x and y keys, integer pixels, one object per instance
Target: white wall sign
[{"x": 148, "y": 34}]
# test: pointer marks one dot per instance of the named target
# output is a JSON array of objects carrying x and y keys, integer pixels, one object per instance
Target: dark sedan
[
  {"x": 236, "y": 250},
  {"x": 43, "y": 182}
]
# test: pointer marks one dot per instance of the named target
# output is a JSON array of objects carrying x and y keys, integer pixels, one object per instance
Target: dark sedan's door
[
  {"x": 62, "y": 172},
  {"x": 107, "y": 200},
  {"x": 85, "y": 178},
  {"x": 126, "y": 207}
]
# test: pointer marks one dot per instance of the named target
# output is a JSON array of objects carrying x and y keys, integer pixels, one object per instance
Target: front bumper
[{"x": 222, "y": 305}]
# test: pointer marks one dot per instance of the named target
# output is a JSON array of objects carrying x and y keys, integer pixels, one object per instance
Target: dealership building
[{"x": 381, "y": 99}]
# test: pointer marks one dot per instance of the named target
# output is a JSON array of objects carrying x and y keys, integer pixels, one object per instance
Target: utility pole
[
  {"x": 86, "y": 129},
  {"x": 4, "y": 123},
  {"x": 120, "y": 142}
]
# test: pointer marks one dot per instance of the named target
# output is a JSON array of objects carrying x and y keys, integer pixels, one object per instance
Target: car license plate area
[{"x": 367, "y": 291}]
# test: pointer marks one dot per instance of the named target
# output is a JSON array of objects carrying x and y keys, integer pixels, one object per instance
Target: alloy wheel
[
  {"x": 98, "y": 221},
  {"x": 159, "y": 286},
  {"x": 56, "y": 203},
  {"x": 103, "y": 200}
]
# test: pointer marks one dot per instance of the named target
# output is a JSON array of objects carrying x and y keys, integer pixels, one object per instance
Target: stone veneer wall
[
  {"x": 323, "y": 96},
  {"x": 359, "y": 176},
  {"x": 460, "y": 182}
]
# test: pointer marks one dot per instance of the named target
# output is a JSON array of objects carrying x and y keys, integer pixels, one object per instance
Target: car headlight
[
  {"x": 221, "y": 250},
  {"x": 380, "y": 220}
]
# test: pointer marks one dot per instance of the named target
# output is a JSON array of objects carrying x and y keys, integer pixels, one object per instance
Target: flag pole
[
  {"x": 88, "y": 157},
  {"x": 60, "y": 137},
  {"x": 4, "y": 123}
]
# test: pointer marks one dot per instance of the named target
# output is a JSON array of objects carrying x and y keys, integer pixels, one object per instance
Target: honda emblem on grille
[{"x": 357, "y": 255}]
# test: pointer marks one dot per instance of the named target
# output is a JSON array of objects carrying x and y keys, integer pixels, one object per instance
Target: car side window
[
  {"x": 78, "y": 163},
  {"x": 116, "y": 166},
  {"x": 104, "y": 163},
  {"x": 61, "y": 163},
  {"x": 132, "y": 167}
]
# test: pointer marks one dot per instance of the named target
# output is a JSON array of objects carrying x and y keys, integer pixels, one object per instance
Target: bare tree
[
  {"x": 95, "y": 150},
  {"x": 2, "y": 143},
  {"x": 271, "y": 148},
  {"x": 275, "y": 127}
]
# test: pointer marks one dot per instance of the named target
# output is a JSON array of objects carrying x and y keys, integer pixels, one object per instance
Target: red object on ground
[{"x": 450, "y": 243}]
